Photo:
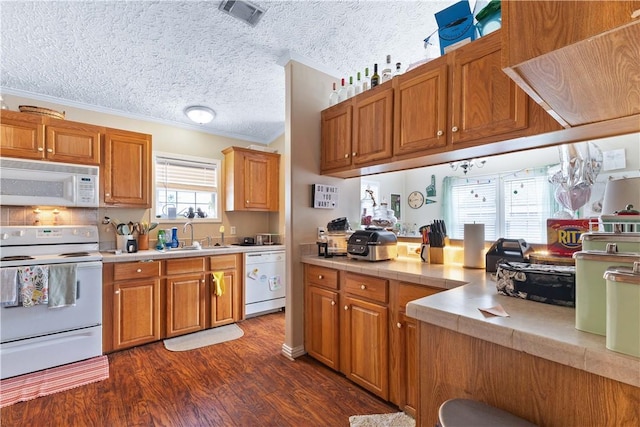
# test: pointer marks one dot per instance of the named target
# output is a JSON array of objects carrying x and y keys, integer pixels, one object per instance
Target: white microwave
[{"x": 40, "y": 183}]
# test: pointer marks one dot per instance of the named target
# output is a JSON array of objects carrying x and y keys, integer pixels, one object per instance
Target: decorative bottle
[
  {"x": 358, "y": 84},
  {"x": 161, "y": 240},
  {"x": 174, "y": 237},
  {"x": 386, "y": 72},
  {"x": 365, "y": 83}
]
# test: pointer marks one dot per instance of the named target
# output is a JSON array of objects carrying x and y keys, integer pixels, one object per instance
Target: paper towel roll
[{"x": 474, "y": 256}]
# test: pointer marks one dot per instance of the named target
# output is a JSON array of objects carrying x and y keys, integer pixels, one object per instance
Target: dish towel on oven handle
[
  {"x": 34, "y": 285},
  {"x": 63, "y": 285},
  {"x": 9, "y": 287},
  {"x": 218, "y": 280}
]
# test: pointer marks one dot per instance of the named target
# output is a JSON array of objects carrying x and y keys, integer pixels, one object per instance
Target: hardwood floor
[{"x": 246, "y": 382}]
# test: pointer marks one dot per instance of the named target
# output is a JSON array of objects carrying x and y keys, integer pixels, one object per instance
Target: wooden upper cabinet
[
  {"x": 421, "y": 99},
  {"x": 579, "y": 60},
  {"x": 485, "y": 102},
  {"x": 336, "y": 125},
  {"x": 35, "y": 137},
  {"x": 373, "y": 126},
  {"x": 73, "y": 142},
  {"x": 251, "y": 180},
  {"x": 126, "y": 170}
]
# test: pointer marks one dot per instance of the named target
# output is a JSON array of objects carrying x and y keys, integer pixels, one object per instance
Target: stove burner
[
  {"x": 74, "y": 254},
  {"x": 16, "y": 258}
]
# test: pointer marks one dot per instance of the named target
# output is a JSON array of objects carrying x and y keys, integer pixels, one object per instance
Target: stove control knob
[
  {"x": 75, "y": 232},
  {"x": 4, "y": 236},
  {"x": 21, "y": 233}
]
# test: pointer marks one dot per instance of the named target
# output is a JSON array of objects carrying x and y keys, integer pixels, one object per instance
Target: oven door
[
  {"x": 39, "y": 337},
  {"x": 24, "y": 322}
]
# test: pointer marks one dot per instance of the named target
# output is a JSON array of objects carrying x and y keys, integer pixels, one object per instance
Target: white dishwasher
[{"x": 264, "y": 282}]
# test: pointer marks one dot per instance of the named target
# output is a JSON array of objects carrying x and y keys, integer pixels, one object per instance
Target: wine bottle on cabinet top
[
  {"x": 386, "y": 73},
  {"x": 351, "y": 89},
  {"x": 342, "y": 93},
  {"x": 358, "y": 85},
  {"x": 366, "y": 84},
  {"x": 375, "y": 78},
  {"x": 333, "y": 97}
]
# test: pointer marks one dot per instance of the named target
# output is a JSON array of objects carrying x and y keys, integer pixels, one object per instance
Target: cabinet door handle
[
  {"x": 399, "y": 325},
  {"x": 346, "y": 156},
  {"x": 107, "y": 194},
  {"x": 333, "y": 302},
  {"x": 354, "y": 154},
  {"x": 363, "y": 287},
  {"x": 346, "y": 307},
  {"x": 320, "y": 276},
  {"x": 49, "y": 150},
  {"x": 40, "y": 149},
  {"x": 139, "y": 270},
  {"x": 454, "y": 129},
  {"x": 247, "y": 202},
  {"x": 117, "y": 292},
  {"x": 440, "y": 133}
]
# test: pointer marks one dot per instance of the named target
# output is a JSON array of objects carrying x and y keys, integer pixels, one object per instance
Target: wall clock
[{"x": 416, "y": 199}]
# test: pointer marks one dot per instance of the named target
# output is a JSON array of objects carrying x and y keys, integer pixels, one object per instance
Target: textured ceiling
[{"x": 152, "y": 59}]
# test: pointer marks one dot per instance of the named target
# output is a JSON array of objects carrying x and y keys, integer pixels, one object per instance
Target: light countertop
[
  {"x": 542, "y": 330},
  {"x": 111, "y": 257}
]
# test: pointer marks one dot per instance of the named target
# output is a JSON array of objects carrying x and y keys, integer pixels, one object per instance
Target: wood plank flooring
[{"x": 246, "y": 382}]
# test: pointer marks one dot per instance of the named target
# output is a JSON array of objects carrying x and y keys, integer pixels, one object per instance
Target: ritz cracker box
[{"x": 563, "y": 235}]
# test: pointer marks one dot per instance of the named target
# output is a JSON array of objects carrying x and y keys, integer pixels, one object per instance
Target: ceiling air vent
[{"x": 243, "y": 10}]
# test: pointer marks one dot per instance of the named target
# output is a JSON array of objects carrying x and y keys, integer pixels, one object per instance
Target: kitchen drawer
[
  {"x": 321, "y": 276},
  {"x": 369, "y": 287},
  {"x": 184, "y": 265},
  {"x": 409, "y": 292},
  {"x": 135, "y": 270},
  {"x": 224, "y": 262}
]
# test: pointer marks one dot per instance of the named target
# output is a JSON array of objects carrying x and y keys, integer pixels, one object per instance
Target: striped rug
[{"x": 53, "y": 380}]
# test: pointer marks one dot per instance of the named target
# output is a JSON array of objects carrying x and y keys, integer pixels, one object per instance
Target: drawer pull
[
  {"x": 440, "y": 133},
  {"x": 117, "y": 292},
  {"x": 454, "y": 129},
  {"x": 346, "y": 307},
  {"x": 363, "y": 287},
  {"x": 139, "y": 270},
  {"x": 320, "y": 276},
  {"x": 399, "y": 325}
]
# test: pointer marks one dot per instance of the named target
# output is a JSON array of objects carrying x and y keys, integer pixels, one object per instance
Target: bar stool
[{"x": 466, "y": 413}]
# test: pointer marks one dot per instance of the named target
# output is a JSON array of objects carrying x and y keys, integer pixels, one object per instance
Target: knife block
[{"x": 436, "y": 255}]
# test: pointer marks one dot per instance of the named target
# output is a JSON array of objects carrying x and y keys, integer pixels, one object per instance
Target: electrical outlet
[
  {"x": 233, "y": 230},
  {"x": 321, "y": 231}
]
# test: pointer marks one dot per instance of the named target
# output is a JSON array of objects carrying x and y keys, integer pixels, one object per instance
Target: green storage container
[
  {"x": 597, "y": 241},
  {"x": 623, "y": 310},
  {"x": 591, "y": 292}
]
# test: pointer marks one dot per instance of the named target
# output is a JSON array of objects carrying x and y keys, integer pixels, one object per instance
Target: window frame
[
  {"x": 216, "y": 163},
  {"x": 500, "y": 183}
]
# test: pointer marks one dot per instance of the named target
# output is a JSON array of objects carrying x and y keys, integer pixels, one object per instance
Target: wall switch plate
[{"x": 233, "y": 230}]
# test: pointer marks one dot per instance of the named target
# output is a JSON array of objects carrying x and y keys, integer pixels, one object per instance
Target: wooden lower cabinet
[
  {"x": 404, "y": 388},
  {"x": 185, "y": 296},
  {"x": 150, "y": 300},
  {"x": 364, "y": 333},
  {"x": 227, "y": 307},
  {"x": 131, "y": 304},
  {"x": 368, "y": 336}
]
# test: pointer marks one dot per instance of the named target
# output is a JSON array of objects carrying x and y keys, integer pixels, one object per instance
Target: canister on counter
[
  {"x": 626, "y": 242},
  {"x": 591, "y": 293},
  {"x": 623, "y": 309}
]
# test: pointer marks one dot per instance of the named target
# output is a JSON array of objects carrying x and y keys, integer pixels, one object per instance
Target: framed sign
[
  {"x": 395, "y": 205},
  {"x": 324, "y": 196}
]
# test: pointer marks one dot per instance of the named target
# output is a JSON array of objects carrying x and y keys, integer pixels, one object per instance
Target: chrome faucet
[{"x": 184, "y": 229}]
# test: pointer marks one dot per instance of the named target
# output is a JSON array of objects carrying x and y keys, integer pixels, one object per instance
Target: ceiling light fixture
[
  {"x": 200, "y": 114},
  {"x": 466, "y": 165},
  {"x": 245, "y": 11}
]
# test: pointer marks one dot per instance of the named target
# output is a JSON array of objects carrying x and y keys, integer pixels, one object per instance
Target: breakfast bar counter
[{"x": 493, "y": 358}]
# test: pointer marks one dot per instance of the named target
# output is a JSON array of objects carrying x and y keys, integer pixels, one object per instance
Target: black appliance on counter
[
  {"x": 506, "y": 250},
  {"x": 372, "y": 245}
]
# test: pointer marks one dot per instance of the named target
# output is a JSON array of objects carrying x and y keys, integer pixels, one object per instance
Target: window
[
  {"x": 186, "y": 187},
  {"x": 513, "y": 206}
]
